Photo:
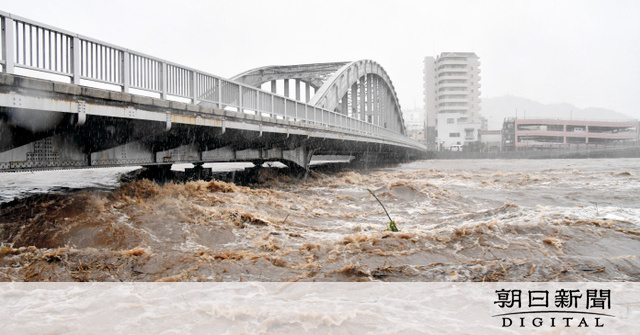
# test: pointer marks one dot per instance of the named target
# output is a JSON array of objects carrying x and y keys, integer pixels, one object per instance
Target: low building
[
  {"x": 455, "y": 129},
  {"x": 556, "y": 133},
  {"x": 414, "y": 122},
  {"x": 491, "y": 140}
]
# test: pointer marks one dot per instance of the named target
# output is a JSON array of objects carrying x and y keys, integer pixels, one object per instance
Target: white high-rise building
[{"x": 452, "y": 99}]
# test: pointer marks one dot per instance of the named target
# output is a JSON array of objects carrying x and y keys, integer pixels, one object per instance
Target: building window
[
  {"x": 454, "y": 134},
  {"x": 468, "y": 134},
  {"x": 450, "y": 120}
]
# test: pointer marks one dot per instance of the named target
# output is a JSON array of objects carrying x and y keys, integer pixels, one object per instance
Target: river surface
[{"x": 459, "y": 220}]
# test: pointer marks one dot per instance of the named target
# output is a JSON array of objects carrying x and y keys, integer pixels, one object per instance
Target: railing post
[
  {"x": 240, "y": 109},
  {"x": 194, "y": 94},
  {"x": 8, "y": 44},
  {"x": 220, "y": 93},
  {"x": 258, "y": 107},
  {"x": 273, "y": 106},
  {"x": 126, "y": 73},
  {"x": 75, "y": 61},
  {"x": 163, "y": 80}
]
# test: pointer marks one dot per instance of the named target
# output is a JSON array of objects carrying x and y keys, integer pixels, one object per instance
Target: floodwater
[{"x": 459, "y": 220}]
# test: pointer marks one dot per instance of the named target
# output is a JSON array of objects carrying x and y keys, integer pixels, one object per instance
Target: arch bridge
[{"x": 68, "y": 101}]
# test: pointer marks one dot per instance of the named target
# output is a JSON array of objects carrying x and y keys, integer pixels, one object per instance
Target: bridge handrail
[{"x": 31, "y": 45}]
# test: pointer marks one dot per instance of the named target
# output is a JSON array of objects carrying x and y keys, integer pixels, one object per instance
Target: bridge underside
[{"x": 47, "y": 125}]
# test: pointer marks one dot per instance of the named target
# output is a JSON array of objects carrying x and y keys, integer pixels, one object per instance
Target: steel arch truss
[
  {"x": 362, "y": 90},
  {"x": 314, "y": 75}
]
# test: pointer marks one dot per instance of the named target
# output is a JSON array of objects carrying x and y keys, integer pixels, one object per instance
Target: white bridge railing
[{"x": 37, "y": 47}]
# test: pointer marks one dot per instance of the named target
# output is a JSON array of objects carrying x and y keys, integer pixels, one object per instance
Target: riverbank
[{"x": 628, "y": 152}]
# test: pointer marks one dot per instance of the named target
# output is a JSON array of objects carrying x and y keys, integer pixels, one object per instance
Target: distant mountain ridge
[{"x": 498, "y": 108}]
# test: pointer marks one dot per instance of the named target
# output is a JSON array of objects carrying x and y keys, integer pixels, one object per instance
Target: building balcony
[
  {"x": 461, "y": 84},
  {"x": 452, "y": 74},
  {"x": 445, "y": 98},
  {"x": 459, "y": 103},
  {"x": 452, "y": 109},
  {"x": 453, "y": 90},
  {"x": 452, "y": 67},
  {"x": 451, "y": 61}
]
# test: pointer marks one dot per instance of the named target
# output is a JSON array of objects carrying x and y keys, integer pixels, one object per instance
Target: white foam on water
[{"x": 294, "y": 308}]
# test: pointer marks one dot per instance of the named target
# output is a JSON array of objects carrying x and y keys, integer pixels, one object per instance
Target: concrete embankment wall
[{"x": 541, "y": 154}]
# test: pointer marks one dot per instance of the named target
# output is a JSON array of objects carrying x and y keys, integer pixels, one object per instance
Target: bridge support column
[
  {"x": 274, "y": 86},
  {"x": 157, "y": 172},
  {"x": 380, "y": 155},
  {"x": 298, "y": 160},
  {"x": 365, "y": 160},
  {"x": 301, "y": 156},
  {"x": 198, "y": 172}
]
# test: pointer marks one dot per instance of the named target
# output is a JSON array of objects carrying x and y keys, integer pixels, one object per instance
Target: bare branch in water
[{"x": 392, "y": 224}]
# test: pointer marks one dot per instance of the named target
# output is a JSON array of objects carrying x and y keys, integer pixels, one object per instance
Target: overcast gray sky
[{"x": 584, "y": 52}]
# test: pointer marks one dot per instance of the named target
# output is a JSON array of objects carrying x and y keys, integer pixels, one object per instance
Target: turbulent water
[{"x": 459, "y": 220}]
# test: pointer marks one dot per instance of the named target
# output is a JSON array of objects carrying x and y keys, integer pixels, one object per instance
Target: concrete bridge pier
[
  {"x": 198, "y": 172},
  {"x": 370, "y": 159},
  {"x": 157, "y": 172},
  {"x": 299, "y": 165}
]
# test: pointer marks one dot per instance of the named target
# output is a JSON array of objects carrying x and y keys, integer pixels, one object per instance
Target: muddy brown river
[{"x": 459, "y": 220}]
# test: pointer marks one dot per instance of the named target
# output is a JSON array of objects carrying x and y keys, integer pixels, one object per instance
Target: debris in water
[{"x": 392, "y": 224}]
